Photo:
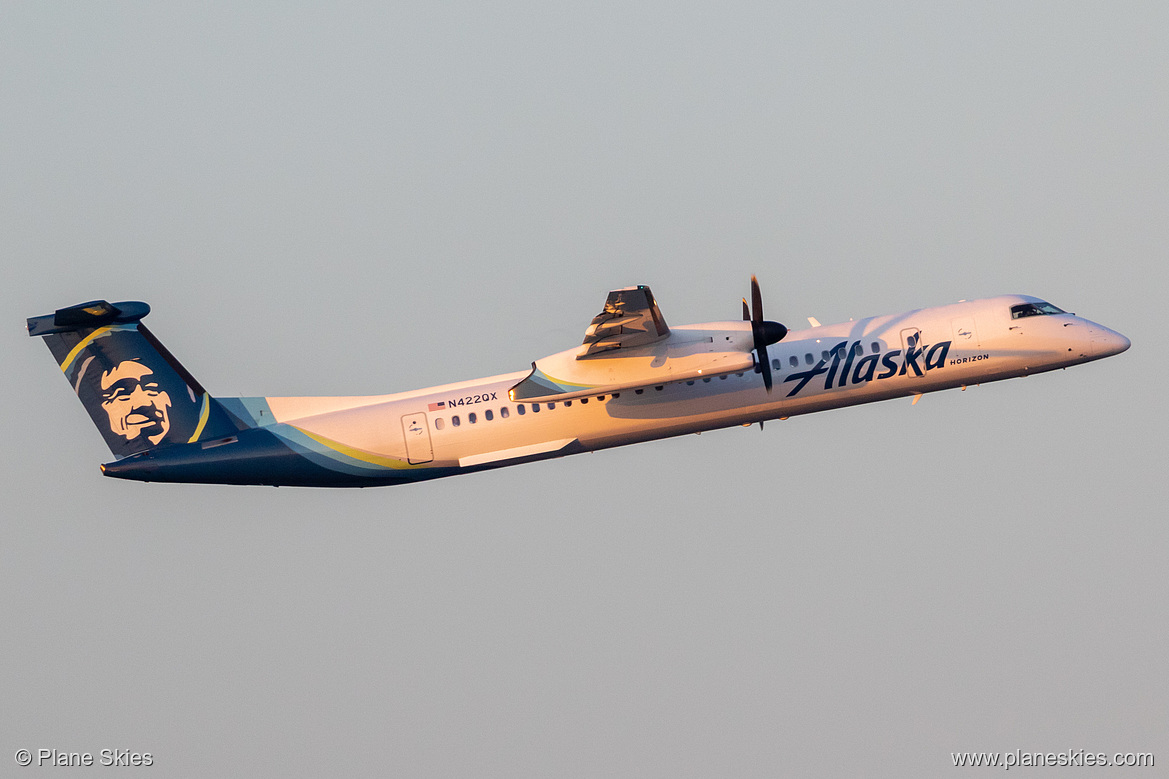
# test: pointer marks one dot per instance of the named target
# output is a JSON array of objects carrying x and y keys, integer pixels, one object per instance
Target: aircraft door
[
  {"x": 417, "y": 435},
  {"x": 911, "y": 340}
]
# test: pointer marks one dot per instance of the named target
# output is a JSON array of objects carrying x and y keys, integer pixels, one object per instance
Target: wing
[
  {"x": 630, "y": 319},
  {"x": 629, "y": 346},
  {"x": 560, "y": 378}
]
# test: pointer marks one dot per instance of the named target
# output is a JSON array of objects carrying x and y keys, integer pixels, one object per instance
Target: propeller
[{"x": 763, "y": 332}]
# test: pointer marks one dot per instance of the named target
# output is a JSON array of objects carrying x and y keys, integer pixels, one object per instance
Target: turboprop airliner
[{"x": 633, "y": 379}]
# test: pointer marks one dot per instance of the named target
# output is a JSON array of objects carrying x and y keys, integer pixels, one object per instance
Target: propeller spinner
[{"x": 763, "y": 332}]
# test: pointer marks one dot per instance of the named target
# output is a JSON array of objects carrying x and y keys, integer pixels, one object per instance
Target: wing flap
[{"x": 630, "y": 319}]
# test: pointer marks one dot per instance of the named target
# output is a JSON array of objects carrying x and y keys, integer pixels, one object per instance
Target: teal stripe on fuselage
[
  {"x": 252, "y": 412},
  {"x": 325, "y": 457}
]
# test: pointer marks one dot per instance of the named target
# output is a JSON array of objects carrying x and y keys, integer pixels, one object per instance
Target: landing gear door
[{"x": 417, "y": 435}]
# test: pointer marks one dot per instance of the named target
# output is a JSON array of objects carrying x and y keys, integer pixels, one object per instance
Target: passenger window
[
  {"x": 857, "y": 349},
  {"x": 471, "y": 417},
  {"x": 487, "y": 415},
  {"x": 808, "y": 358},
  {"x": 504, "y": 413},
  {"x": 659, "y": 388},
  {"x": 638, "y": 391},
  {"x": 775, "y": 366},
  {"x": 567, "y": 403},
  {"x": 551, "y": 406},
  {"x": 521, "y": 409},
  {"x": 584, "y": 401},
  {"x": 439, "y": 424},
  {"x": 824, "y": 355},
  {"x": 535, "y": 408},
  {"x": 455, "y": 421},
  {"x": 876, "y": 347},
  {"x": 794, "y": 361}
]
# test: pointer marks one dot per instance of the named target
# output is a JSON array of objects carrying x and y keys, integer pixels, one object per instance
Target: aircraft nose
[{"x": 1106, "y": 343}]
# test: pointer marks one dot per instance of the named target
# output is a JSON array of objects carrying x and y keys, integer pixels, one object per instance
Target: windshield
[{"x": 1034, "y": 309}]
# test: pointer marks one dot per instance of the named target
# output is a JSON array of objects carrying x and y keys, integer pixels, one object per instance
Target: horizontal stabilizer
[{"x": 93, "y": 314}]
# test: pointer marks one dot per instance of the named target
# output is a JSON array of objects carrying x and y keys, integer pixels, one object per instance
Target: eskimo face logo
[{"x": 135, "y": 402}]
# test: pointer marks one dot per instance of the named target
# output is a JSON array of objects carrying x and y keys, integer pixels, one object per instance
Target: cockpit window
[{"x": 1034, "y": 309}]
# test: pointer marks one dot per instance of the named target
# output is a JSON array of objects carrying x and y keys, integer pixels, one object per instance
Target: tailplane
[{"x": 139, "y": 396}]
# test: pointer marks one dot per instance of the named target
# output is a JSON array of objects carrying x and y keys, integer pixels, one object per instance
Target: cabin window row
[
  {"x": 505, "y": 411},
  {"x": 522, "y": 408},
  {"x": 810, "y": 359}
]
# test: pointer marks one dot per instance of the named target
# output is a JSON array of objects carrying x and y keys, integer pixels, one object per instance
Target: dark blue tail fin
[{"x": 137, "y": 393}]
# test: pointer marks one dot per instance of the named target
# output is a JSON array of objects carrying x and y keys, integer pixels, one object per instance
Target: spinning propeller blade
[{"x": 763, "y": 332}]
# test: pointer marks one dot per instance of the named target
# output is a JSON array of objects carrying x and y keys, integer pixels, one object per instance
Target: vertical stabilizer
[{"x": 139, "y": 396}]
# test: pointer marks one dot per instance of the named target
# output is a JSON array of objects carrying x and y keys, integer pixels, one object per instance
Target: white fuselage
[{"x": 474, "y": 424}]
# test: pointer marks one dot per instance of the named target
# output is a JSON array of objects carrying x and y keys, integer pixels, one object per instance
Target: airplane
[{"x": 634, "y": 378}]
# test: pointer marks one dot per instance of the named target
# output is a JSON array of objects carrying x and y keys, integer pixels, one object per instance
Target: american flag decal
[{"x": 439, "y": 406}]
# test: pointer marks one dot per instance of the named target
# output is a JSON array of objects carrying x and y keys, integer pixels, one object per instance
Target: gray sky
[{"x": 371, "y": 198}]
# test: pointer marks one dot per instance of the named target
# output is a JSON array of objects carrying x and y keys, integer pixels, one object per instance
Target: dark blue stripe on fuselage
[{"x": 252, "y": 457}]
